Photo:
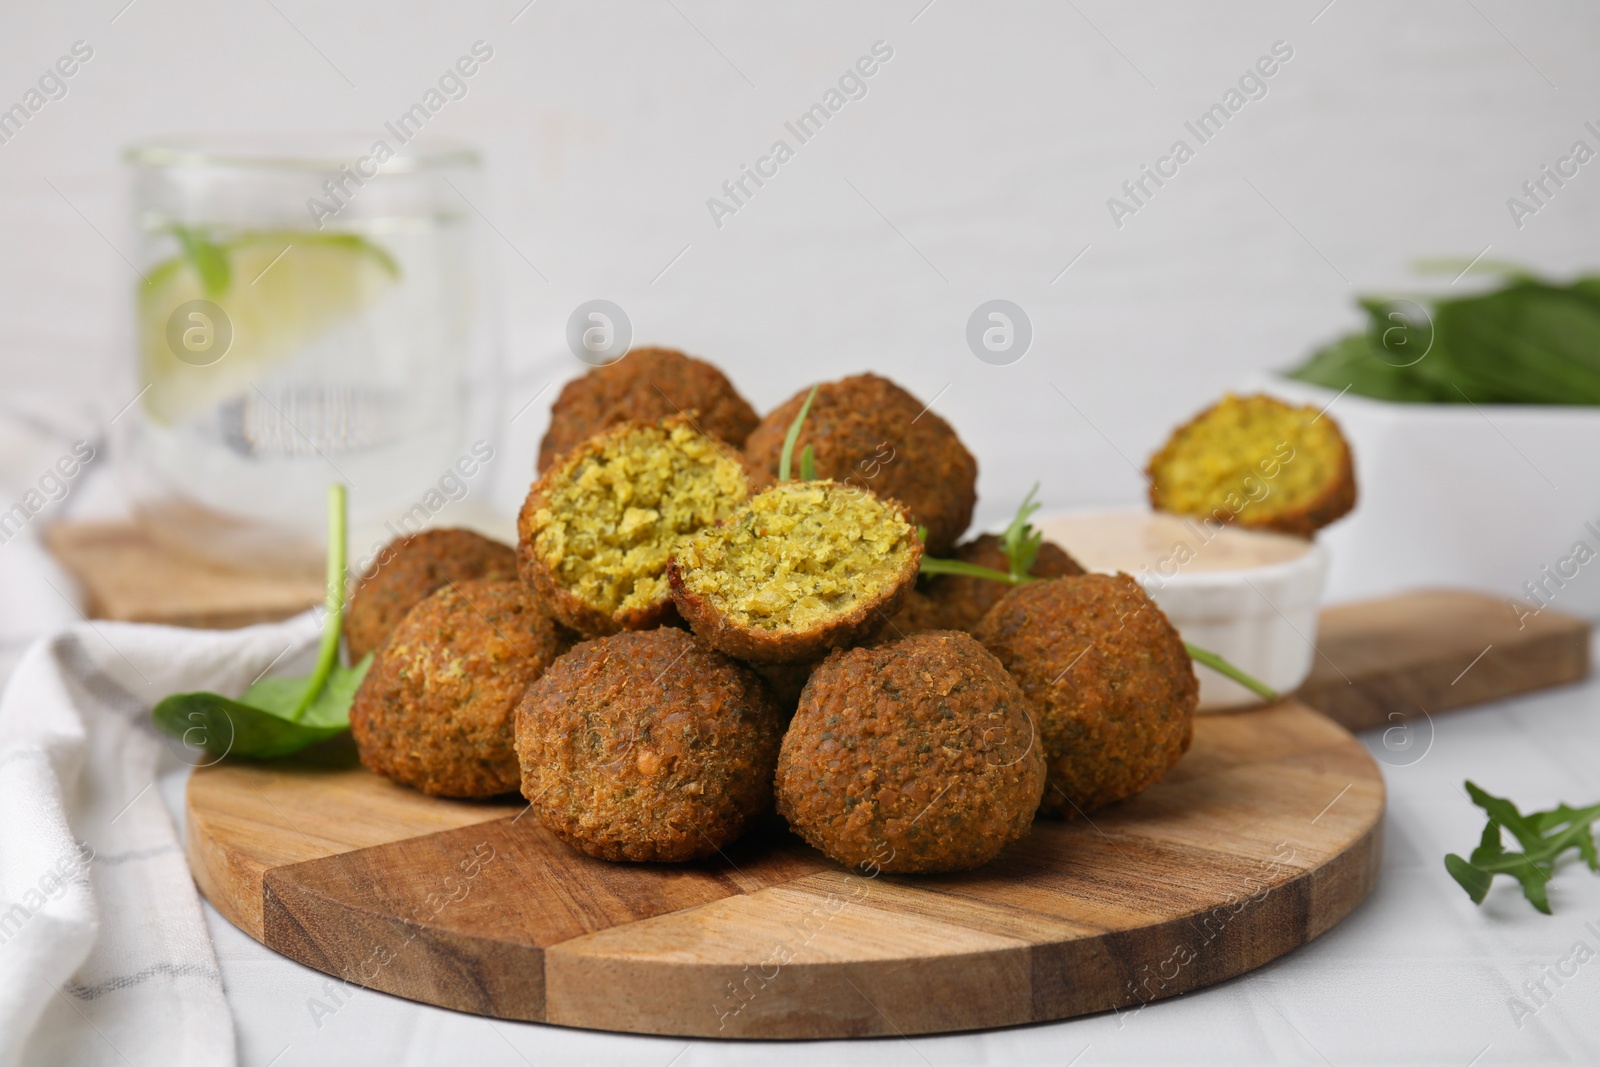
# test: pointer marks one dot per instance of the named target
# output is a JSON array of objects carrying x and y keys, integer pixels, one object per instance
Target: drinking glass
[{"x": 310, "y": 311}]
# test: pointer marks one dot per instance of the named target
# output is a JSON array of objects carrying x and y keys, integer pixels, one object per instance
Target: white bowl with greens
[{"x": 1475, "y": 424}]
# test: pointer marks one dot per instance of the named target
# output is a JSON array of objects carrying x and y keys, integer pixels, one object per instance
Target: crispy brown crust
[
  {"x": 1110, "y": 677},
  {"x": 763, "y": 646},
  {"x": 435, "y": 710},
  {"x": 918, "y": 755},
  {"x": 646, "y": 385},
  {"x": 1336, "y": 500},
  {"x": 559, "y": 601},
  {"x": 786, "y": 681},
  {"x": 850, "y": 424},
  {"x": 408, "y": 569},
  {"x": 648, "y": 747}
]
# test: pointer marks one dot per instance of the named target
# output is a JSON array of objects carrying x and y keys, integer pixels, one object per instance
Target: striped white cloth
[{"x": 104, "y": 954}]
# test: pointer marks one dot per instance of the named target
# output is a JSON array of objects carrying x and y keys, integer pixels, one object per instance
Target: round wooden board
[{"x": 1265, "y": 835}]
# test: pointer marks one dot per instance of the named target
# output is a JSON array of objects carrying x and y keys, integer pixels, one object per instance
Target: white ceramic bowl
[
  {"x": 1492, "y": 497},
  {"x": 1262, "y": 619}
]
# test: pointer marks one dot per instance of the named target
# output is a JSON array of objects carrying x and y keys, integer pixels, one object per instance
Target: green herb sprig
[
  {"x": 1544, "y": 837},
  {"x": 1021, "y": 543},
  {"x": 808, "y": 465},
  {"x": 278, "y": 716}
]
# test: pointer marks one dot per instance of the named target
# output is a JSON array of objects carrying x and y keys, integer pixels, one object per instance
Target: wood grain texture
[
  {"x": 130, "y": 578},
  {"x": 1264, "y": 836},
  {"x": 1380, "y": 662}
]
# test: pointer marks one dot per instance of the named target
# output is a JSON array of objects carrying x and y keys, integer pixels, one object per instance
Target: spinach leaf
[
  {"x": 1530, "y": 341},
  {"x": 278, "y": 716}
]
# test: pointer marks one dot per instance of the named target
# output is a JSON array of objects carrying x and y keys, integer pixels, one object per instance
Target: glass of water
[{"x": 307, "y": 313}]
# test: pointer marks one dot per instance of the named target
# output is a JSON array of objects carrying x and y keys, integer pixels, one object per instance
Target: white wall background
[{"x": 991, "y": 142}]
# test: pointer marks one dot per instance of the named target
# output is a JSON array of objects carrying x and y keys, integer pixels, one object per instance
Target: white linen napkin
[{"x": 104, "y": 955}]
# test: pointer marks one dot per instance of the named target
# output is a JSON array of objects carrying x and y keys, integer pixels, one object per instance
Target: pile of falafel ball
[{"x": 681, "y": 641}]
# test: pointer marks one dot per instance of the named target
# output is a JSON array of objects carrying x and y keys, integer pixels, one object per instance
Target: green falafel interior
[
  {"x": 797, "y": 555},
  {"x": 615, "y": 509}
]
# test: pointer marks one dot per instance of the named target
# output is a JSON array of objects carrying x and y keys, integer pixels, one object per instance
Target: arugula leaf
[
  {"x": 1021, "y": 541},
  {"x": 278, "y": 716},
  {"x": 786, "y": 459},
  {"x": 931, "y": 565},
  {"x": 1228, "y": 670},
  {"x": 1474, "y": 880},
  {"x": 1544, "y": 836}
]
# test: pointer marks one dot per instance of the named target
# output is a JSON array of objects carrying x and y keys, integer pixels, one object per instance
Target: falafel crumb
[
  {"x": 797, "y": 555},
  {"x": 616, "y": 511},
  {"x": 1255, "y": 456}
]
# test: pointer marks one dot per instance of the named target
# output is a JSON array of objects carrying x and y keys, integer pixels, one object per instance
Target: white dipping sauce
[
  {"x": 1248, "y": 595},
  {"x": 1152, "y": 543}
]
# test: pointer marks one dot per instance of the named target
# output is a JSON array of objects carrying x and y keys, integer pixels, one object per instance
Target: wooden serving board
[{"x": 1267, "y": 833}]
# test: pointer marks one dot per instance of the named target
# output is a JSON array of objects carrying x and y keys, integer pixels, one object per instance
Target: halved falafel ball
[
  {"x": 801, "y": 568},
  {"x": 435, "y": 710},
  {"x": 648, "y": 747},
  {"x": 867, "y": 431},
  {"x": 962, "y": 601},
  {"x": 915, "y": 755},
  {"x": 1110, "y": 677},
  {"x": 410, "y": 568},
  {"x": 646, "y": 385},
  {"x": 1259, "y": 462},
  {"x": 597, "y": 528}
]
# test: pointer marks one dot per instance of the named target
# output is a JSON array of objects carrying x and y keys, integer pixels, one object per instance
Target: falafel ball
[
  {"x": 786, "y": 681},
  {"x": 408, "y": 569},
  {"x": 646, "y": 385},
  {"x": 1257, "y": 461},
  {"x": 435, "y": 710},
  {"x": 597, "y": 528},
  {"x": 1110, "y": 677},
  {"x": 962, "y": 601},
  {"x": 801, "y": 568},
  {"x": 648, "y": 747},
  {"x": 916, "y": 755},
  {"x": 867, "y": 431}
]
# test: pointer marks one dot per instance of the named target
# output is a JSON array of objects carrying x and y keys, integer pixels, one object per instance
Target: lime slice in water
[{"x": 212, "y": 318}]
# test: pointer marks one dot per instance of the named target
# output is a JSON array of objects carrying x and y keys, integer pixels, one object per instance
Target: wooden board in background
[
  {"x": 1383, "y": 661},
  {"x": 127, "y": 577},
  {"x": 1264, "y": 836}
]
